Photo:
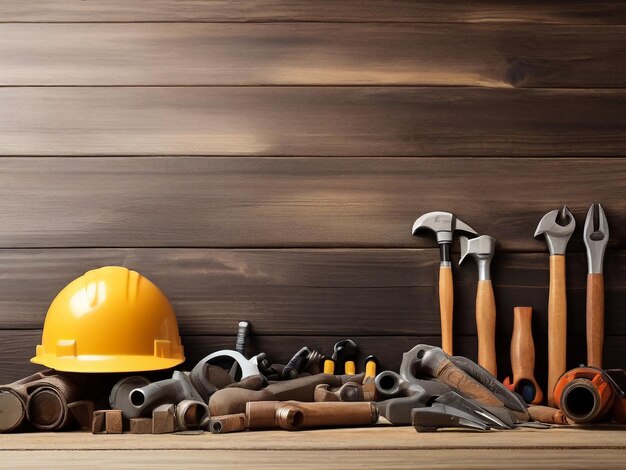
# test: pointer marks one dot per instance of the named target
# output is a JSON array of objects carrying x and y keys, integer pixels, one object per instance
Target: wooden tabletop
[{"x": 379, "y": 447}]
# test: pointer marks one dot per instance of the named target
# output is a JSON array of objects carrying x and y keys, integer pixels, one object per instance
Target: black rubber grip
[
  {"x": 296, "y": 364},
  {"x": 444, "y": 251}
]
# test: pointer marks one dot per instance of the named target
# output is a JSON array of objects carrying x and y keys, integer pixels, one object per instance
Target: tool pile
[{"x": 108, "y": 331}]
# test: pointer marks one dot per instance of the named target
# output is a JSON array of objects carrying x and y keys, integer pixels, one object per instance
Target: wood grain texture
[
  {"x": 557, "y": 324},
  {"x": 302, "y": 202},
  {"x": 486, "y": 317},
  {"x": 523, "y": 355},
  {"x": 446, "y": 308},
  {"x": 310, "y": 292},
  {"x": 314, "y": 121},
  {"x": 18, "y": 346},
  {"x": 309, "y": 459},
  {"x": 522, "y": 347},
  {"x": 378, "y": 437},
  {"x": 569, "y": 12},
  {"x": 502, "y": 55},
  {"x": 595, "y": 319}
]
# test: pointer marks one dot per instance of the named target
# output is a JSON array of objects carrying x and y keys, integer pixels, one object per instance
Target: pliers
[{"x": 596, "y": 237}]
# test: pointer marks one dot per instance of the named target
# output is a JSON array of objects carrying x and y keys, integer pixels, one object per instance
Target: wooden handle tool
[
  {"x": 596, "y": 237},
  {"x": 446, "y": 305},
  {"x": 595, "y": 319},
  {"x": 523, "y": 358},
  {"x": 486, "y": 326},
  {"x": 482, "y": 249},
  {"x": 444, "y": 224},
  {"x": 557, "y": 226},
  {"x": 557, "y": 324}
]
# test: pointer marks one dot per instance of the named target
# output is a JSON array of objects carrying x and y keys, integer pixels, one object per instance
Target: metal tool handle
[
  {"x": 297, "y": 415},
  {"x": 446, "y": 303},
  {"x": 486, "y": 326},
  {"x": 523, "y": 356},
  {"x": 242, "y": 335},
  {"x": 595, "y": 319},
  {"x": 557, "y": 325}
]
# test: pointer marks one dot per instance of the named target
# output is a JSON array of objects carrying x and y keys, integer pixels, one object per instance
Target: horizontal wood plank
[
  {"x": 310, "y": 292},
  {"x": 295, "y": 202},
  {"x": 313, "y": 54},
  {"x": 390, "y": 438},
  {"x": 309, "y": 459},
  {"x": 18, "y": 346},
  {"x": 571, "y": 12},
  {"x": 315, "y": 121}
]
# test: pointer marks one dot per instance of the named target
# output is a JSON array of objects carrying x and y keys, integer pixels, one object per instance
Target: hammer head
[
  {"x": 557, "y": 232},
  {"x": 481, "y": 249},
  {"x": 444, "y": 224}
]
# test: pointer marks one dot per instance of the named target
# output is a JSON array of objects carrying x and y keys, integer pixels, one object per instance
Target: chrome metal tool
[{"x": 596, "y": 237}]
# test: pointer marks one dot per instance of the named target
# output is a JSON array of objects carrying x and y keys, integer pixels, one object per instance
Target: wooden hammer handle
[
  {"x": 486, "y": 326},
  {"x": 557, "y": 324},
  {"x": 446, "y": 302},
  {"x": 595, "y": 319}
]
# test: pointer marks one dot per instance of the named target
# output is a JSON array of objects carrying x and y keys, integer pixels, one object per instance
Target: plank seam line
[
  {"x": 308, "y": 248},
  {"x": 590, "y": 158},
  {"x": 327, "y": 21},
  {"x": 315, "y": 335},
  {"x": 312, "y": 448},
  {"x": 382, "y": 85}
]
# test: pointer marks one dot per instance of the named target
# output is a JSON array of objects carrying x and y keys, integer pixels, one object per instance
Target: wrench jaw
[
  {"x": 557, "y": 235},
  {"x": 596, "y": 238}
]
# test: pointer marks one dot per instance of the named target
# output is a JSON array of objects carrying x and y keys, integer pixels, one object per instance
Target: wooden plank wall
[{"x": 266, "y": 160}]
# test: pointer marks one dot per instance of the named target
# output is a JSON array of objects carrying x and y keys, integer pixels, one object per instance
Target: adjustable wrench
[{"x": 557, "y": 234}]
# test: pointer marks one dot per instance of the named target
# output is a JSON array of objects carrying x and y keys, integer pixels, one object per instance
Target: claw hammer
[
  {"x": 444, "y": 224},
  {"x": 557, "y": 226},
  {"x": 482, "y": 249}
]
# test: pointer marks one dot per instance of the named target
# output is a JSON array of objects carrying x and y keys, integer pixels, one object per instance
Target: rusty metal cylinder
[
  {"x": 227, "y": 423},
  {"x": 47, "y": 410},
  {"x": 293, "y": 415}
]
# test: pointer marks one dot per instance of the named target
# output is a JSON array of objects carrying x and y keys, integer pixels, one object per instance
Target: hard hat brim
[{"x": 106, "y": 364}]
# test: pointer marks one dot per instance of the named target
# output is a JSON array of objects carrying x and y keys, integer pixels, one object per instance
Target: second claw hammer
[{"x": 482, "y": 249}]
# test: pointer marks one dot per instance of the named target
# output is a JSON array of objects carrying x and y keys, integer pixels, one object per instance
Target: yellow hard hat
[{"x": 110, "y": 320}]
